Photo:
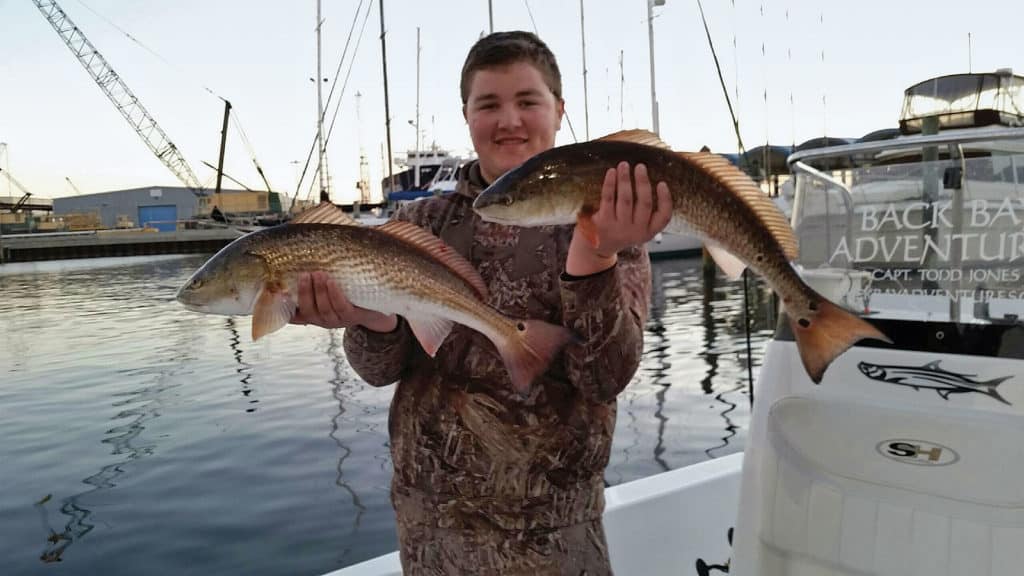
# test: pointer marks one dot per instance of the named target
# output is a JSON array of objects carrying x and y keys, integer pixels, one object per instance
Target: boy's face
[{"x": 512, "y": 115}]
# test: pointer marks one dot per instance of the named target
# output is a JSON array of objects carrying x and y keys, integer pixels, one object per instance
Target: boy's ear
[
  {"x": 464, "y": 113},
  {"x": 561, "y": 112}
]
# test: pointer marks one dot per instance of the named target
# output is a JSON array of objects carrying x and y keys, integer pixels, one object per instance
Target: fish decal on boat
[
  {"x": 705, "y": 569},
  {"x": 932, "y": 377}
]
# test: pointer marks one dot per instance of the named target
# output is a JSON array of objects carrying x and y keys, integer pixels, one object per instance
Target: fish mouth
[
  {"x": 489, "y": 206},
  {"x": 494, "y": 218},
  {"x": 186, "y": 299}
]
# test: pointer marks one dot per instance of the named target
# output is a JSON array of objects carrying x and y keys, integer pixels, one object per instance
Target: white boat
[{"x": 907, "y": 459}]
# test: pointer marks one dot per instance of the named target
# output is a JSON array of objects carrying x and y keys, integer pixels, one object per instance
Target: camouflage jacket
[{"x": 470, "y": 457}]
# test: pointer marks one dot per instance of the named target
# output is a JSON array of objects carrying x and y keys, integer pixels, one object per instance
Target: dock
[{"x": 111, "y": 243}]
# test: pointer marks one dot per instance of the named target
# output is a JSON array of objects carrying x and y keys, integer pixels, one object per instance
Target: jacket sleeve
[
  {"x": 380, "y": 358},
  {"x": 607, "y": 311}
]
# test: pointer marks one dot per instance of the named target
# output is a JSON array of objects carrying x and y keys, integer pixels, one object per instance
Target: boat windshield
[{"x": 931, "y": 232}]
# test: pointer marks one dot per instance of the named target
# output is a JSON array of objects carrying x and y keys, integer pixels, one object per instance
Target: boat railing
[{"x": 942, "y": 138}]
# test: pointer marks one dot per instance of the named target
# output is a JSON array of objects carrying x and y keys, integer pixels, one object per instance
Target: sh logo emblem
[{"x": 917, "y": 452}]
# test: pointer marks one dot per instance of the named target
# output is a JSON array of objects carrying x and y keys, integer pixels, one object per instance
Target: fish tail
[
  {"x": 529, "y": 352},
  {"x": 991, "y": 389},
  {"x": 826, "y": 334}
]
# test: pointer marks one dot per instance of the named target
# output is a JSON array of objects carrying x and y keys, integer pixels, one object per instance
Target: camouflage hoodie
[{"x": 485, "y": 482}]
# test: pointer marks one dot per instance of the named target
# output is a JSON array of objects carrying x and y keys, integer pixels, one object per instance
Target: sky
[{"x": 794, "y": 70}]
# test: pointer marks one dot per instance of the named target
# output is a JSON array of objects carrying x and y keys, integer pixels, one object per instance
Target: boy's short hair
[{"x": 503, "y": 48}]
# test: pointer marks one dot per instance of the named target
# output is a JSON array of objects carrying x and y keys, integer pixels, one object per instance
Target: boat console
[{"x": 907, "y": 458}]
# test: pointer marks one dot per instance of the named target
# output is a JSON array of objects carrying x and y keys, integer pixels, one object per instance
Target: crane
[
  {"x": 124, "y": 100},
  {"x": 73, "y": 187},
  {"x": 25, "y": 193}
]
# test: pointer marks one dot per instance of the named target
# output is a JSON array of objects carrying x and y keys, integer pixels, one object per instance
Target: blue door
[{"x": 160, "y": 217}]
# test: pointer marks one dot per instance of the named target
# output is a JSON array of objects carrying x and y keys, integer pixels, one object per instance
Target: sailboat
[{"x": 905, "y": 458}]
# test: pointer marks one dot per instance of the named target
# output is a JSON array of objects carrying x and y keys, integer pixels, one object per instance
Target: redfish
[
  {"x": 711, "y": 198},
  {"x": 395, "y": 268}
]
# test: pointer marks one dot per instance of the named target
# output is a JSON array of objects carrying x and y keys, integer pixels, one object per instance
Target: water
[{"x": 137, "y": 437}]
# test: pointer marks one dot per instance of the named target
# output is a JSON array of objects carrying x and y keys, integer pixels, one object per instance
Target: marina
[{"x": 851, "y": 407}]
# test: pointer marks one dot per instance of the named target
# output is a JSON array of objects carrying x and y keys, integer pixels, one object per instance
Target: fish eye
[{"x": 196, "y": 283}]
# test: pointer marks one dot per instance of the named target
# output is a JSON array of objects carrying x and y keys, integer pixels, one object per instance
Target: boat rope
[
  {"x": 249, "y": 147},
  {"x": 186, "y": 74},
  {"x": 170, "y": 64},
  {"x": 344, "y": 84},
  {"x": 721, "y": 80},
  {"x": 568, "y": 120}
]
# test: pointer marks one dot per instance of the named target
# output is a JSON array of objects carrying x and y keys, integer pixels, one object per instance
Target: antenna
[
  {"x": 824, "y": 98},
  {"x": 418, "y": 144},
  {"x": 969, "y": 55}
]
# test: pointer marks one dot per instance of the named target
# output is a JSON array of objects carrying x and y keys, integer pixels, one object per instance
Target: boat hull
[
  {"x": 677, "y": 522},
  {"x": 900, "y": 462}
]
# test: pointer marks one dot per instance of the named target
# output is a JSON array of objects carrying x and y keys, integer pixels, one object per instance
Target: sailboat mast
[
  {"x": 418, "y": 152},
  {"x": 387, "y": 107},
  {"x": 586, "y": 108},
  {"x": 322, "y": 162}
]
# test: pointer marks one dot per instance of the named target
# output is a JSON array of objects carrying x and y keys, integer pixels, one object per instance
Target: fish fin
[
  {"x": 585, "y": 222},
  {"x": 934, "y": 365},
  {"x": 637, "y": 136},
  {"x": 434, "y": 247},
  {"x": 826, "y": 334},
  {"x": 430, "y": 331},
  {"x": 324, "y": 213},
  {"x": 738, "y": 182},
  {"x": 274, "y": 308},
  {"x": 529, "y": 353},
  {"x": 731, "y": 265}
]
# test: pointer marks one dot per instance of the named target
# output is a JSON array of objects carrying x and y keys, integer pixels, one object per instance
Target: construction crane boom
[
  {"x": 25, "y": 193},
  {"x": 14, "y": 181},
  {"x": 124, "y": 100},
  {"x": 73, "y": 187}
]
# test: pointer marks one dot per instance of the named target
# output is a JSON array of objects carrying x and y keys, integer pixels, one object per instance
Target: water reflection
[
  {"x": 711, "y": 356},
  {"x": 689, "y": 399},
  {"x": 244, "y": 369},
  {"x": 340, "y": 378},
  {"x": 660, "y": 353},
  {"x": 106, "y": 378},
  {"x": 144, "y": 405}
]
